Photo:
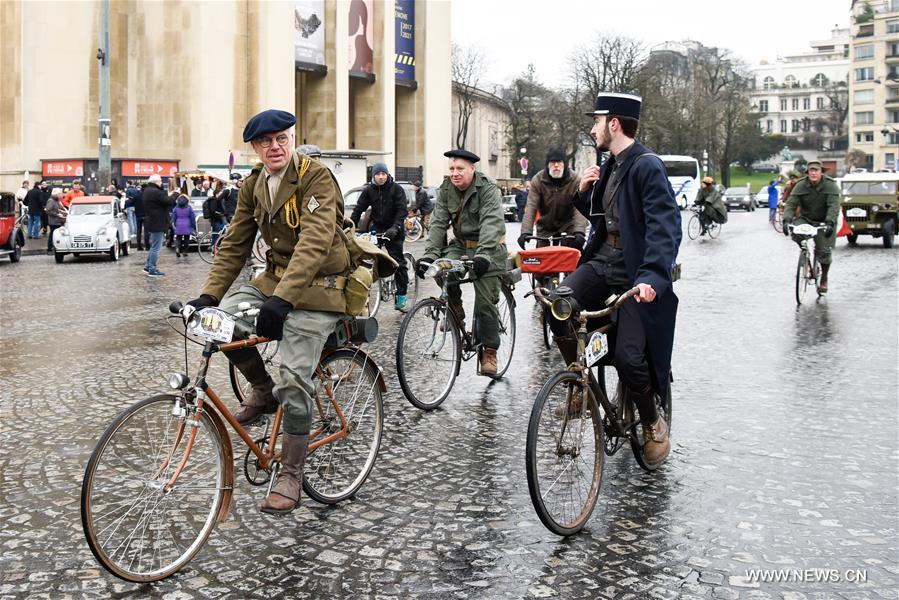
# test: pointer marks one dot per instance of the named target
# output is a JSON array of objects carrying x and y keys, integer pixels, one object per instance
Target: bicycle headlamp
[
  {"x": 562, "y": 309},
  {"x": 177, "y": 381}
]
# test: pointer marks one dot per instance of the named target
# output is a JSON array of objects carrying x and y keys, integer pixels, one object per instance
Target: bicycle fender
[{"x": 228, "y": 482}]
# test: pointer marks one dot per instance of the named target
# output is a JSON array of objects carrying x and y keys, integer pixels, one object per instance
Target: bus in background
[{"x": 684, "y": 176}]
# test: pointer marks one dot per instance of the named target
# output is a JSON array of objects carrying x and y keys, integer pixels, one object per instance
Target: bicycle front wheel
[
  {"x": 545, "y": 320},
  {"x": 410, "y": 267},
  {"x": 564, "y": 454},
  {"x": 778, "y": 222},
  {"x": 506, "y": 309},
  {"x": 693, "y": 227},
  {"x": 138, "y": 528},
  {"x": 413, "y": 230},
  {"x": 714, "y": 229},
  {"x": 336, "y": 470},
  {"x": 428, "y": 354},
  {"x": 801, "y": 277},
  {"x": 205, "y": 247}
]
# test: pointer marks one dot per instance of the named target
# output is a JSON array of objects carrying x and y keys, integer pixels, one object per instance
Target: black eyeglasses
[{"x": 266, "y": 141}]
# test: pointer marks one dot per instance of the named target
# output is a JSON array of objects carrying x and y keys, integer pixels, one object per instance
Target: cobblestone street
[{"x": 785, "y": 451}]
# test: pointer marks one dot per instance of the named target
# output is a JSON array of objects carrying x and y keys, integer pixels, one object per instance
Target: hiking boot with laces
[
  {"x": 488, "y": 362},
  {"x": 655, "y": 441},
  {"x": 262, "y": 401}
]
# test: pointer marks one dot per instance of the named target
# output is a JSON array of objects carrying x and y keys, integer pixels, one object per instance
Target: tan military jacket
[{"x": 306, "y": 265}]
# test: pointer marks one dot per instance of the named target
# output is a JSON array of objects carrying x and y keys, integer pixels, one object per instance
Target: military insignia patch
[{"x": 312, "y": 204}]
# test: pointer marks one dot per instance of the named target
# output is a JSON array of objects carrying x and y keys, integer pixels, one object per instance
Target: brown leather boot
[
  {"x": 285, "y": 495},
  {"x": 488, "y": 362},
  {"x": 822, "y": 283},
  {"x": 655, "y": 441},
  {"x": 261, "y": 402}
]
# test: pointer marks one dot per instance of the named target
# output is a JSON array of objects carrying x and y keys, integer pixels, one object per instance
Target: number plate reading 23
[
  {"x": 597, "y": 348},
  {"x": 213, "y": 324}
]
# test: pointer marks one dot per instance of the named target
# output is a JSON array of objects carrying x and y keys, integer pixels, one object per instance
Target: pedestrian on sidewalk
[
  {"x": 45, "y": 194},
  {"x": 34, "y": 199},
  {"x": 158, "y": 207},
  {"x": 184, "y": 222},
  {"x": 56, "y": 216},
  {"x": 140, "y": 216}
]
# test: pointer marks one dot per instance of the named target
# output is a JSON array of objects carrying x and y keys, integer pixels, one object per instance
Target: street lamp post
[{"x": 104, "y": 172}]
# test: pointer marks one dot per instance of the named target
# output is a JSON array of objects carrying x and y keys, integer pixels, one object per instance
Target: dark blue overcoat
[{"x": 650, "y": 228}]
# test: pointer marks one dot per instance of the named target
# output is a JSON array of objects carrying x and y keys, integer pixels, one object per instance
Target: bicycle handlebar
[
  {"x": 551, "y": 239},
  {"x": 542, "y": 294}
]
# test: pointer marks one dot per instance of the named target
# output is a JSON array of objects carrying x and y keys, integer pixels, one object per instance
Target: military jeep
[{"x": 869, "y": 205}]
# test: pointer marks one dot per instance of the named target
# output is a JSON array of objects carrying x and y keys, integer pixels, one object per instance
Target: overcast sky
[{"x": 513, "y": 33}]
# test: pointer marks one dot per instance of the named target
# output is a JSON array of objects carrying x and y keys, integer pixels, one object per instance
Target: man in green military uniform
[
  {"x": 470, "y": 202},
  {"x": 296, "y": 205},
  {"x": 818, "y": 199}
]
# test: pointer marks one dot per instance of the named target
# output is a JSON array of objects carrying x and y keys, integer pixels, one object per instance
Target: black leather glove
[
  {"x": 392, "y": 233},
  {"x": 523, "y": 239},
  {"x": 829, "y": 231},
  {"x": 203, "y": 301},
  {"x": 480, "y": 266},
  {"x": 579, "y": 240},
  {"x": 270, "y": 320},
  {"x": 422, "y": 266}
]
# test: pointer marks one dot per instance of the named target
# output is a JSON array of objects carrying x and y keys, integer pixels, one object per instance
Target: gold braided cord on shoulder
[{"x": 291, "y": 212}]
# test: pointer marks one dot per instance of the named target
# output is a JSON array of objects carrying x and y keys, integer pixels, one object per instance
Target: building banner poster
[
  {"x": 404, "y": 66},
  {"x": 361, "y": 36},
  {"x": 309, "y": 31}
]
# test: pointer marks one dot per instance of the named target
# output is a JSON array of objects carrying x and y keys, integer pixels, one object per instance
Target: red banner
[
  {"x": 63, "y": 168},
  {"x": 134, "y": 168}
]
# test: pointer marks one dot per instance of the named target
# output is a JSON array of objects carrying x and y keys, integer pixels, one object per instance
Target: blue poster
[{"x": 404, "y": 64}]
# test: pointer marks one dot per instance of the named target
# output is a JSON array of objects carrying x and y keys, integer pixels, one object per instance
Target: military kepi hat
[
  {"x": 617, "y": 105},
  {"x": 462, "y": 153},
  {"x": 268, "y": 121}
]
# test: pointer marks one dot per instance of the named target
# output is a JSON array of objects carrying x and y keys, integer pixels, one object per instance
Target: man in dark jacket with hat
[
  {"x": 158, "y": 206},
  {"x": 388, "y": 212},
  {"x": 470, "y": 203},
  {"x": 636, "y": 235},
  {"x": 550, "y": 195}
]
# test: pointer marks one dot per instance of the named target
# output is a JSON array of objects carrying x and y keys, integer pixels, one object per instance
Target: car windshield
[
  {"x": 736, "y": 191},
  {"x": 870, "y": 188},
  {"x": 509, "y": 199},
  {"x": 76, "y": 210}
]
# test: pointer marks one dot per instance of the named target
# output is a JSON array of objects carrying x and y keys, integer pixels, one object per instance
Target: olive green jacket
[
  {"x": 480, "y": 220},
  {"x": 304, "y": 264},
  {"x": 816, "y": 202}
]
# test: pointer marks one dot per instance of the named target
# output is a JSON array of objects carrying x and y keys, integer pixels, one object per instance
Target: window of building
[
  {"x": 820, "y": 103},
  {"x": 790, "y": 81},
  {"x": 770, "y": 126},
  {"x": 819, "y": 80},
  {"x": 893, "y": 138},
  {"x": 889, "y": 160},
  {"x": 892, "y": 49},
  {"x": 768, "y": 82},
  {"x": 893, "y": 116},
  {"x": 893, "y": 72},
  {"x": 864, "y": 118},
  {"x": 864, "y": 137},
  {"x": 863, "y": 51},
  {"x": 795, "y": 124},
  {"x": 866, "y": 30},
  {"x": 783, "y": 125},
  {"x": 783, "y": 104},
  {"x": 864, "y": 74},
  {"x": 763, "y": 106},
  {"x": 893, "y": 26},
  {"x": 863, "y": 97},
  {"x": 806, "y": 103},
  {"x": 795, "y": 103}
]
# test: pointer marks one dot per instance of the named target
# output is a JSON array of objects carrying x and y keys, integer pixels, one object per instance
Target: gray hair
[{"x": 155, "y": 178}]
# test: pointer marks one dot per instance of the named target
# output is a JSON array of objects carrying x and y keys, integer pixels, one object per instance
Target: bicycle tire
[
  {"x": 413, "y": 234},
  {"x": 260, "y": 249},
  {"x": 506, "y": 309},
  {"x": 239, "y": 384},
  {"x": 420, "y": 361},
  {"x": 714, "y": 229},
  {"x": 121, "y": 449},
  {"x": 410, "y": 267},
  {"x": 204, "y": 247},
  {"x": 778, "y": 222},
  {"x": 374, "y": 298},
  {"x": 551, "y": 465},
  {"x": 548, "y": 336},
  {"x": 801, "y": 276},
  {"x": 330, "y": 475},
  {"x": 694, "y": 227},
  {"x": 636, "y": 437},
  {"x": 816, "y": 275}
]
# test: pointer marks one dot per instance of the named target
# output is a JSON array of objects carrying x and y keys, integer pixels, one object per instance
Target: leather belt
[
  {"x": 613, "y": 240},
  {"x": 336, "y": 282},
  {"x": 474, "y": 243}
]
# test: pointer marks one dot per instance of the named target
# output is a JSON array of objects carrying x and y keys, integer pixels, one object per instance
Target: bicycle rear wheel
[
  {"x": 564, "y": 454},
  {"x": 693, "y": 227},
  {"x": 205, "y": 247},
  {"x": 242, "y": 388},
  {"x": 138, "y": 530},
  {"x": 714, "y": 229},
  {"x": 506, "y": 308},
  {"x": 428, "y": 354},
  {"x": 335, "y": 471},
  {"x": 801, "y": 276},
  {"x": 374, "y": 298}
]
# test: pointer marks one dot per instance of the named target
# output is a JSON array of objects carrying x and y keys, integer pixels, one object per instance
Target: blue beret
[
  {"x": 616, "y": 105},
  {"x": 266, "y": 122},
  {"x": 462, "y": 153}
]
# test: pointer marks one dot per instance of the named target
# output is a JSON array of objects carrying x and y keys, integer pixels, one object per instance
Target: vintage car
[
  {"x": 870, "y": 202},
  {"x": 95, "y": 225},
  {"x": 510, "y": 208},
  {"x": 12, "y": 238}
]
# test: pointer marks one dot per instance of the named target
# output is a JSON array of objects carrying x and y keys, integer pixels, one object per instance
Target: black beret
[
  {"x": 266, "y": 122},
  {"x": 616, "y": 105},
  {"x": 463, "y": 154}
]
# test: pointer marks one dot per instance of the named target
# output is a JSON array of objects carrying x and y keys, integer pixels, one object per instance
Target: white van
[{"x": 684, "y": 176}]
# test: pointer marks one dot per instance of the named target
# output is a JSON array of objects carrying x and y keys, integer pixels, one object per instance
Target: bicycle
[
  {"x": 213, "y": 240},
  {"x": 548, "y": 265},
  {"x": 808, "y": 270},
  {"x": 161, "y": 476},
  {"x": 778, "y": 222},
  {"x": 433, "y": 341},
  {"x": 414, "y": 226},
  {"x": 384, "y": 289},
  {"x": 576, "y": 420},
  {"x": 699, "y": 224}
]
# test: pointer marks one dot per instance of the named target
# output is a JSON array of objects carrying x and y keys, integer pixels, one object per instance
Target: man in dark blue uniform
[{"x": 636, "y": 234}]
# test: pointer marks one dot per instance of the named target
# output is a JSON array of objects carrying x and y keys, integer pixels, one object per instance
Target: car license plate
[
  {"x": 856, "y": 212},
  {"x": 82, "y": 244}
]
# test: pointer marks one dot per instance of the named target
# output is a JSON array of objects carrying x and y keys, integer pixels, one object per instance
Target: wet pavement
[{"x": 784, "y": 448}]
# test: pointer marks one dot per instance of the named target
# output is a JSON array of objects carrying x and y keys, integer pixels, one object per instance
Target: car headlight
[
  {"x": 63, "y": 231},
  {"x": 875, "y": 208},
  {"x": 101, "y": 231}
]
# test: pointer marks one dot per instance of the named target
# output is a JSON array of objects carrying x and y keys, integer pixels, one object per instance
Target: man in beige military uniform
[{"x": 296, "y": 205}]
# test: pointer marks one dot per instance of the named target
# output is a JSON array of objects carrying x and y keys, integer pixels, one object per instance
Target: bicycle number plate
[
  {"x": 213, "y": 324},
  {"x": 805, "y": 229},
  {"x": 597, "y": 348},
  {"x": 856, "y": 212}
]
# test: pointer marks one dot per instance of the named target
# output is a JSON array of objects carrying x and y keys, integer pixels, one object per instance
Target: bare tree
[
  {"x": 467, "y": 68},
  {"x": 855, "y": 158}
]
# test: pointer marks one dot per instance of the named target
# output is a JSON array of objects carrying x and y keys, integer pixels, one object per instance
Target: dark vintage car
[{"x": 12, "y": 238}]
